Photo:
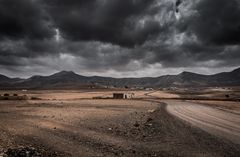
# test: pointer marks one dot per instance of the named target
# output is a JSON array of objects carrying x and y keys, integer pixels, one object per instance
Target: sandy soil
[
  {"x": 87, "y": 94},
  {"x": 161, "y": 94},
  {"x": 231, "y": 106},
  {"x": 71, "y": 127},
  {"x": 213, "y": 120},
  {"x": 208, "y": 93}
]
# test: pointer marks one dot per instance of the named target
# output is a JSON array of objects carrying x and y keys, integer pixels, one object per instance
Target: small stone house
[
  {"x": 122, "y": 95},
  {"x": 118, "y": 95}
]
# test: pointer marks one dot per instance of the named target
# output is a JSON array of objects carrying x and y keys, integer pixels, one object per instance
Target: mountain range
[{"x": 71, "y": 80}]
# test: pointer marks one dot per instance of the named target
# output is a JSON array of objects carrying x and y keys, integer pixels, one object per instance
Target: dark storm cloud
[
  {"x": 178, "y": 2},
  {"x": 118, "y": 35},
  {"x": 113, "y": 21},
  {"x": 215, "y": 22},
  {"x": 23, "y": 19},
  {"x": 28, "y": 48}
]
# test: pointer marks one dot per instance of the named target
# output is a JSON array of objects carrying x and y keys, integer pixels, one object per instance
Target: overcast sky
[{"x": 118, "y": 38}]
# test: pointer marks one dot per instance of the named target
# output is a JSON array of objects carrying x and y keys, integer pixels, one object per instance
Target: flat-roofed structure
[
  {"x": 118, "y": 95},
  {"x": 122, "y": 95}
]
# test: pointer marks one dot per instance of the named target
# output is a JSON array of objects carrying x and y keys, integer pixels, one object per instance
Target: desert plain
[{"x": 89, "y": 123}]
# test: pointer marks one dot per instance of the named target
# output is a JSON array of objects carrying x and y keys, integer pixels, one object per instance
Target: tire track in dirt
[{"x": 215, "y": 121}]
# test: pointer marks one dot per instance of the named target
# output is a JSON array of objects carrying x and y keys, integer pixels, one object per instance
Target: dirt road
[{"x": 213, "y": 120}]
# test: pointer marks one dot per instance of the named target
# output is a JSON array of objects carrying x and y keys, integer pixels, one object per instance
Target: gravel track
[{"x": 215, "y": 121}]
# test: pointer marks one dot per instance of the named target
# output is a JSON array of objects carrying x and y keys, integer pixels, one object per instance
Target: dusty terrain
[
  {"x": 70, "y": 125},
  {"x": 216, "y": 93},
  {"x": 78, "y": 94}
]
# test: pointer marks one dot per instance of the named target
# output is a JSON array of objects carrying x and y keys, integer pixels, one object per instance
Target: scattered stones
[
  {"x": 149, "y": 120},
  {"x": 22, "y": 152},
  {"x": 136, "y": 124},
  {"x": 30, "y": 152}
]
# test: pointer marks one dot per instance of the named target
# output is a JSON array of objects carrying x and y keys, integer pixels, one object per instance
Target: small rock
[
  {"x": 151, "y": 111},
  {"x": 136, "y": 124},
  {"x": 149, "y": 124},
  {"x": 149, "y": 119}
]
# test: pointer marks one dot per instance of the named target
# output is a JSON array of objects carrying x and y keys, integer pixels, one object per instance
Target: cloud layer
[{"x": 118, "y": 38}]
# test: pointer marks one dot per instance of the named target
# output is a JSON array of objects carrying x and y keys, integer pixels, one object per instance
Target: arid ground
[{"x": 152, "y": 124}]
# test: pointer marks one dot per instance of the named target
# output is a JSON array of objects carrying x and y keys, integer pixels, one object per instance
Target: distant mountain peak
[
  {"x": 186, "y": 73},
  {"x": 36, "y": 77},
  {"x": 236, "y": 70},
  {"x": 69, "y": 79},
  {"x": 65, "y": 73},
  {"x": 3, "y": 77}
]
